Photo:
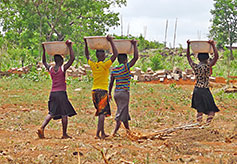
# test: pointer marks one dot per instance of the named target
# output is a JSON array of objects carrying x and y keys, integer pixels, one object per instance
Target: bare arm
[
  {"x": 216, "y": 56},
  {"x": 190, "y": 61},
  {"x": 114, "y": 49},
  {"x": 111, "y": 85},
  {"x": 44, "y": 59},
  {"x": 135, "y": 55},
  {"x": 72, "y": 57},
  {"x": 86, "y": 50}
]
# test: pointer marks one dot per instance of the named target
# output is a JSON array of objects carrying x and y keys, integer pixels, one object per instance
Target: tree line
[{"x": 27, "y": 23}]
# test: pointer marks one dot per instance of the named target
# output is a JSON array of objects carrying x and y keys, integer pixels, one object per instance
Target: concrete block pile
[
  {"x": 161, "y": 75},
  {"x": 137, "y": 73}
]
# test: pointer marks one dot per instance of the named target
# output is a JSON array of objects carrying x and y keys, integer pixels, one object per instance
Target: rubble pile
[
  {"x": 137, "y": 73},
  {"x": 71, "y": 71},
  {"x": 161, "y": 75}
]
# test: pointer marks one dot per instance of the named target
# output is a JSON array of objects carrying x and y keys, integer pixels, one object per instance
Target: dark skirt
[
  {"x": 203, "y": 101},
  {"x": 101, "y": 102},
  {"x": 59, "y": 105},
  {"x": 122, "y": 100}
]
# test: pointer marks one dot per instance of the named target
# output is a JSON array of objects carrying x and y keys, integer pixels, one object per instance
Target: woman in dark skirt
[
  {"x": 202, "y": 99},
  {"x": 58, "y": 105}
]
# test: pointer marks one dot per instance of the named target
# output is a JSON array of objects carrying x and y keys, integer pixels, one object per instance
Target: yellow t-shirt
[{"x": 100, "y": 71}]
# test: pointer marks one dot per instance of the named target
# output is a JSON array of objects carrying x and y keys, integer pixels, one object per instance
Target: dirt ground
[{"x": 154, "y": 107}]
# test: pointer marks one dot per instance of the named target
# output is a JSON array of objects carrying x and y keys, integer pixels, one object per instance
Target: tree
[
  {"x": 27, "y": 23},
  {"x": 224, "y": 23}
]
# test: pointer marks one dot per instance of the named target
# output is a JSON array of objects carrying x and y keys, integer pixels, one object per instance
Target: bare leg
[
  {"x": 100, "y": 125},
  {"x": 102, "y": 119},
  {"x": 40, "y": 131},
  {"x": 126, "y": 125},
  {"x": 199, "y": 117},
  {"x": 64, "y": 124},
  {"x": 118, "y": 123},
  {"x": 210, "y": 117},
  {"x": 46, "y": 121}
]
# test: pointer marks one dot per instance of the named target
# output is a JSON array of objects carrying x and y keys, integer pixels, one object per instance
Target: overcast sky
[{"x": 193, "y": 19}]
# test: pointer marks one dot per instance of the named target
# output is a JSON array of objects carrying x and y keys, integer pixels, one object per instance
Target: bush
[
  {"x": 36, "y": 75},
  {"x": 156, "y": 62}
]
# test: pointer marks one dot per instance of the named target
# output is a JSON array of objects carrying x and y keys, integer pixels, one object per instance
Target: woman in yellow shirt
[{"x": 100, "y": 71}]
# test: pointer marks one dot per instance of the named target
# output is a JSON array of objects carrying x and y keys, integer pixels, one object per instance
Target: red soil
[{"x": 188, "y": 82}]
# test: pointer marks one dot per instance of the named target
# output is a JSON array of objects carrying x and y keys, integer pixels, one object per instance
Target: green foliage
[
  {"x": 156, "y": 62},
  {"x": 225, "y": 66},
  {"x": 143, "y": 63},
  {"x": 172, "y": 86},
  {"x": 143, "y": 44},
  {"x": 224, "y": 22},
  {"x": 28, "y": 23},
  {"x": 35, "y": 75}
]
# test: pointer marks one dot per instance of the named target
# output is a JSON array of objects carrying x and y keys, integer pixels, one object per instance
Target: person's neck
[
  {"x": 122, "y": 63},
  {"x": 203, "y": 62},
  {"x": 58, "y": 65}
]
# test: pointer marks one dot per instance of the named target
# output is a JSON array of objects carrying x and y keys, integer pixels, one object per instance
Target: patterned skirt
[
  {"x": 101, "y": 102},
  {"x": 59, "y": 105},
  {"x": 203, "y": 101},
  {"x": 122, "y": 100}
]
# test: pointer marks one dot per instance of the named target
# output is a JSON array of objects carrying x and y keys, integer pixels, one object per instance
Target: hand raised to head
[
  {"x": 134, "y": 42},
  {"x": 69, "y": 43},
  {"x": 109, "y": 38},
  {"x": 188, "y": 41},
  {"x": 43, "y": 46},
  {"x": 211, "y": 42}
]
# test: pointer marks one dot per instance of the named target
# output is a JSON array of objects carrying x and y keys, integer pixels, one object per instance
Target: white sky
[{"x": 193, "y": 19}]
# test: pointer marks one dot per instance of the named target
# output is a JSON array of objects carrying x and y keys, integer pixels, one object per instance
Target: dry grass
[{"x": 23, "y": 106}]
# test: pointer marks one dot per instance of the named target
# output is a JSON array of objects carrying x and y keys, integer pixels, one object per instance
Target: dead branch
[
  {"x": 161, "y": 134},
  {"x": 102, "y": 153},
  {"x": 126, "y": 162}
]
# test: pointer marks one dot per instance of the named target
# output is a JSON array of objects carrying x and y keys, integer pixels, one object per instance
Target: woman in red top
[{"x": 58, "y": 104}]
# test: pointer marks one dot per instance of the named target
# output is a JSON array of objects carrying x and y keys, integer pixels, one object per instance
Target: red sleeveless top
[{"x": 58, "y": 79}]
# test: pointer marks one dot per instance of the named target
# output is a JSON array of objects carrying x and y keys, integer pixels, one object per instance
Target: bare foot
[
  {"x": 128, "y": 131},
  {"x": 66, "y": 136},
  {"x": 104, "y": 136},
  {"x": 97, "y": 137},
  {"x": 116, "y": 135},
  {"x": 207, "y": 124},
  {"x": 40, "y": 133},
  {"x": 199, "y": 123}
]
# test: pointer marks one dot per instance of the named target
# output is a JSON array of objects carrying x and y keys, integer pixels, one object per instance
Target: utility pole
[
  {"x": 145, "y": 29},
  {"x": 175, "y": 28},
  {"x": 166, "y": 30},
  {"x": 199, "y": 33},
  {"x": 121, "y": 25},
  {"x": 128, "y": 29}
]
